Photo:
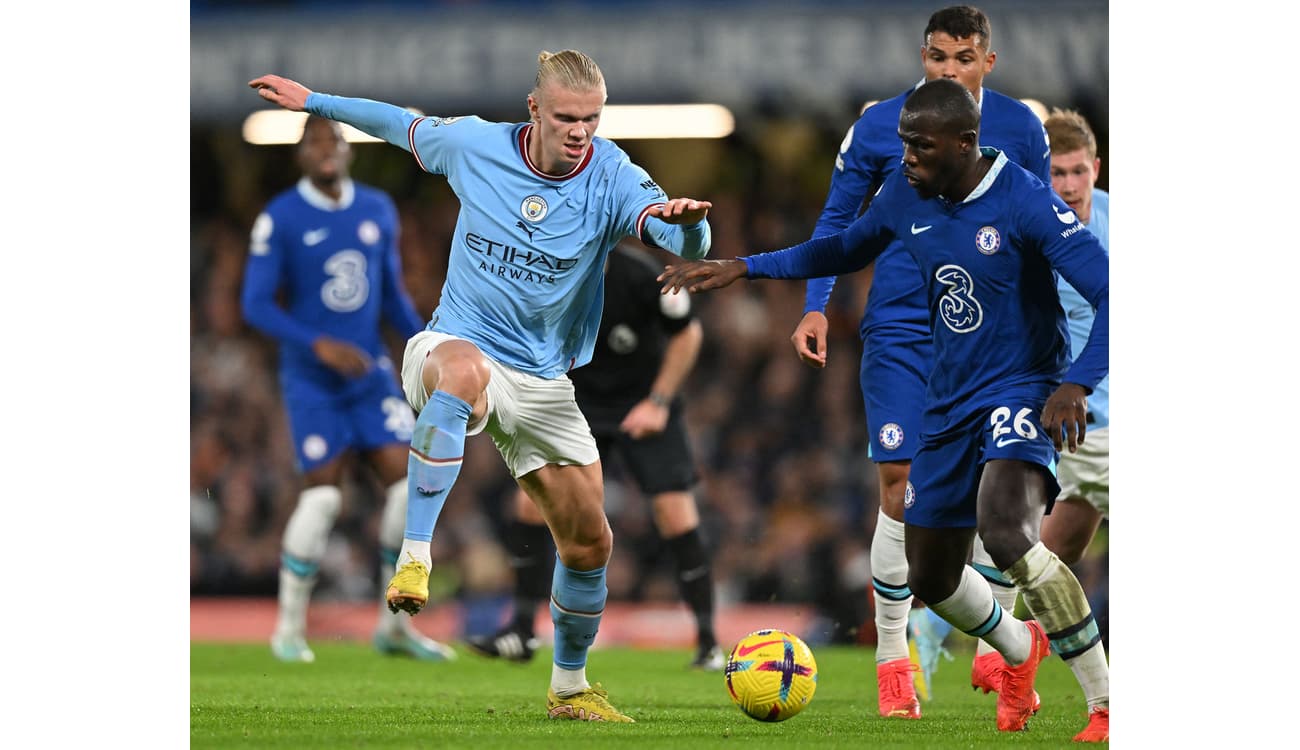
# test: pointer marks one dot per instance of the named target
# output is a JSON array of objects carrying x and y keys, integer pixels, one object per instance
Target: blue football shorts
[
  {"x": 892, "y": 377},
  {"x": 944, "y": 480},
  {"x": 367, "y": 413}
]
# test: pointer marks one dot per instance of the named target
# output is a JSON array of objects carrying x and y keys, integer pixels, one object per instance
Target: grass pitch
[{"x": 240, "y": 696}]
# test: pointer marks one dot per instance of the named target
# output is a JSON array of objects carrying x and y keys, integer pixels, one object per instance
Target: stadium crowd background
[{"x": 787, "y": 495}]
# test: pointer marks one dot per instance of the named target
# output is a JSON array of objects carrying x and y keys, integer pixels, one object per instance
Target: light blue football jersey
[
  {"x": 1080, "y": 314},
  {"x": 525, "y": 279}
]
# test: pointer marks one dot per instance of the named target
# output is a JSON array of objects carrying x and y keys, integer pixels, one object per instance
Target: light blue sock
[
  {"x": 939, "y": 626},
  {"x": 577, "y": 602},
  {"x": 437, "y": 448}
]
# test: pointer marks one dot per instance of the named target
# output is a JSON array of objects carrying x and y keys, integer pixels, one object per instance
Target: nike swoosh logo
[
  {"x": 315, "y": 237},
  {"x": 747, "y": 650},
  {"x": 1004, "y": 442},
  {"x": 918, "y": 230}
]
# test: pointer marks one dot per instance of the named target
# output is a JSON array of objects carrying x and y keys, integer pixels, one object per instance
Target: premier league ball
[{"x": 771, "y": 675}]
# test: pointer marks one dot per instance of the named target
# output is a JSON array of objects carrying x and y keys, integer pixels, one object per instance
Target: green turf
[{"x": 351, "y": 697}]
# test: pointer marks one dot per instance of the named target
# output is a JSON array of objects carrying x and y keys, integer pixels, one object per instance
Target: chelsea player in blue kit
[
  {"x": 542, "y": 204},
  {"x": 329, "y": 244},
  {"x": 895, "y": 329},
  {"x": 1002, "y": 397}
]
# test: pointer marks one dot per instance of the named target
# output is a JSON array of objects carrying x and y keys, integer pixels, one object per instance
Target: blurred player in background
[
  {"x": 896, "y": 346},
  {"x": 1002, "y": 396},
  {"x": 645, "y": 350},
  {"x": 328, "y": 248},
  {"x": 542, "y": 204}
]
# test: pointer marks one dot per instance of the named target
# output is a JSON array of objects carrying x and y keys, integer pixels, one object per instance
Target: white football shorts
[
  {"x": 1086, "y": 473},
  {"x": 532, "y": 420}
]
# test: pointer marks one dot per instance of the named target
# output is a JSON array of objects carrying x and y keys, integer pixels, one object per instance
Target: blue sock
[
  {"x": 437, "y": 448},
  {"x": 940, "y": 626},
  {"x": 577, "y": 601}
]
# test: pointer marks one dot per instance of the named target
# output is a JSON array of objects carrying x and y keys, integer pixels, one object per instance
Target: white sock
[
  {"x": 1093, "y": 674},
  {"x": 294, "y": 593},
  {"x": 1057, "y": 601},
  {"x": 971, "y": 608},
  {"x": 889, "y": 566},
  {"x": 414, "y": 549},
  {"x": 392, "y": 524},
  {"x": 566, "y": 682},
  {"x": 1003, "y": 591},
  {"x": 302, "y": 547}
]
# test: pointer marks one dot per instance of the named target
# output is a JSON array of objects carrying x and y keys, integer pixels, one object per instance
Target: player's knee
[
  {"x": 586, "y": 551},
  {"x": 1006, "y": 544},
  {"x": 931, "y": 583},
  {"x": 464, "y": 376}
]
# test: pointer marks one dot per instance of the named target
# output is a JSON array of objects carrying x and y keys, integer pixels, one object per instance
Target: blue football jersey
[
  {"x": 1080, "y": 313},
  {"x": 337, "y": 268},
  {"x": 869, "y": 154},
  {"x": 988, "y": 265}
]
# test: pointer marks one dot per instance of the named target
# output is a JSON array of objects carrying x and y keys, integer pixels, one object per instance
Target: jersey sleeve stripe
[
  {"x": 410, "y": 137},
  {"x": 645, "y": 212}
]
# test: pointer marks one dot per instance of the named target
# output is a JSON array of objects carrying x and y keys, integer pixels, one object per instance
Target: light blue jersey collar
[{"x": 999, "y": 161}]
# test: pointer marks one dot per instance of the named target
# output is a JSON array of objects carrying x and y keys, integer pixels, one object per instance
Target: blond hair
[
  {"x": 1067, "y": 131},
  {"x": 570, "y": 69}
]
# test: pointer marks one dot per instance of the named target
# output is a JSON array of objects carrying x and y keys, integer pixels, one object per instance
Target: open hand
[
  {"x": 701, "y": 275},
  {"x": 681, "y": 211},
  {"x": 288, "y": 94}
]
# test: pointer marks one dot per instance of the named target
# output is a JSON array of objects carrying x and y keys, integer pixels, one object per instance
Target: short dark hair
[
  {"x": 947, "y": 100},
  {"x": 959, "y": 22}
]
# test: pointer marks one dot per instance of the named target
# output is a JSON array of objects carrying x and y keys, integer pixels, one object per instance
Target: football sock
[
  {"x": 892, "y": 596},
  {"x": 973, "y": 610},
  {"x": 392, "y": 522},
  {"x": 1057, "y": 601},
  {"x": 577, "y": 603},
  {"x": 530, "y": 550},
  {"x": 1003, "y": 590},
  {"x": 695, "y": 581},
  {"x": 301, "y": 549},
  {"x": 437, "y": 448}
]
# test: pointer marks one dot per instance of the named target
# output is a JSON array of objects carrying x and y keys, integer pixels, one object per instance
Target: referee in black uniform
[{"x": 645, "y": 350}]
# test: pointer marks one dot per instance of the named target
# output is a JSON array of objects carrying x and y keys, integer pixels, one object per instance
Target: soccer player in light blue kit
[
  {"x": 895, "y": 329},
  {"x": 1085, "y": 475},
  {"x": 542, "y": 204},
  {"x": 1002, "y": 397},
  {"x": 330, "y": 245}
]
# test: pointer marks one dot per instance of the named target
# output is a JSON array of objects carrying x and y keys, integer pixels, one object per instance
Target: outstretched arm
[{"x": 386, "y": 121}]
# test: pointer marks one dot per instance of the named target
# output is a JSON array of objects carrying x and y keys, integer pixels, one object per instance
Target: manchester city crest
[{"x": 533, "y": 208}]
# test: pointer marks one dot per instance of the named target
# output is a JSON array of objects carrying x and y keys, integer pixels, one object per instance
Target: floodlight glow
[
  {"x": 270, "y": 127},
  {"x": 633, "y": 121}
]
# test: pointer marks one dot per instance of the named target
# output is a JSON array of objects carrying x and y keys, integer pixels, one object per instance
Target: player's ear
[{"x": 532, "y": 109}]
